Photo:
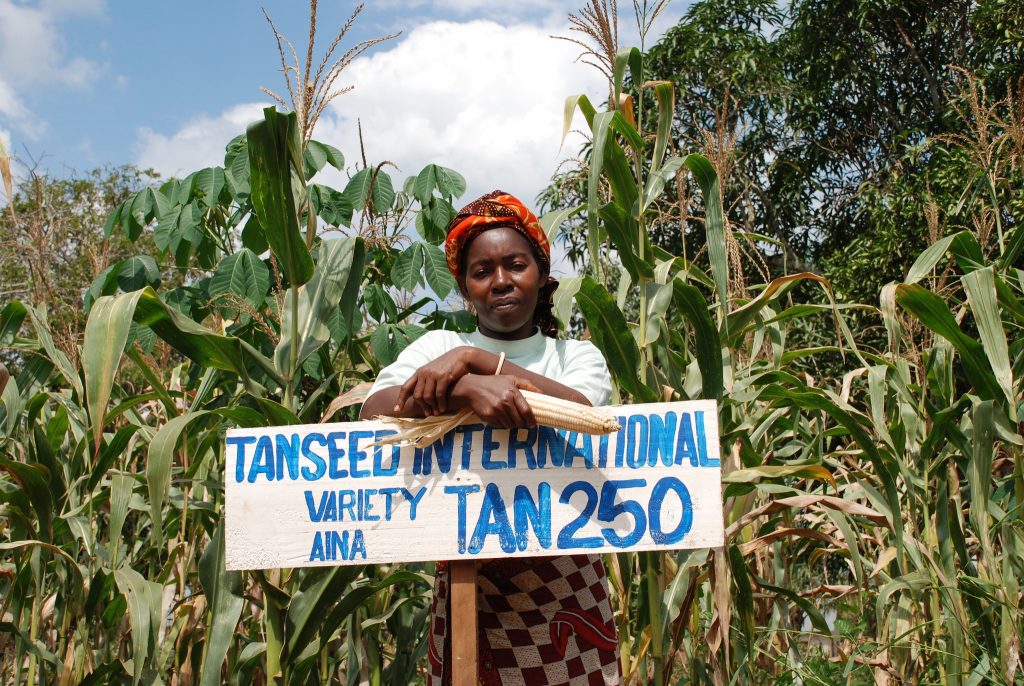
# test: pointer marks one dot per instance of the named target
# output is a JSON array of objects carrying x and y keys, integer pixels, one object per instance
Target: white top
[{"x": 576, "y": 364}]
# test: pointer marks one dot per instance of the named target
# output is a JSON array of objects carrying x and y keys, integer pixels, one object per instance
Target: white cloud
[
  {"x": 32, "y": 56},
  {"x": 482, "y": 98},
  {"x": 15, "y": 113},
  {"x": 200, "y": 143}
]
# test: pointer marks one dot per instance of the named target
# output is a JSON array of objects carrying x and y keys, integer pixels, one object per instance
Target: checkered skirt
[{"x": 545, "y": 620}]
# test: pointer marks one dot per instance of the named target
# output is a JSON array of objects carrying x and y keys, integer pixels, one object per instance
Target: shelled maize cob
[{"x": 547, "y": 410}]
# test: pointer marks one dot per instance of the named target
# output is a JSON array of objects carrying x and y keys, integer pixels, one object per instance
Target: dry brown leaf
[{"x": 352, "y": 396}]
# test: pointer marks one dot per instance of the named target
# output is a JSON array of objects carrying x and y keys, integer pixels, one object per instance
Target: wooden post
[{"x": 462, "y": 623}]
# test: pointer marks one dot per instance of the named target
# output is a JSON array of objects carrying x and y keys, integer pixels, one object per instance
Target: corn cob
[{"x": 547, "y": 410}]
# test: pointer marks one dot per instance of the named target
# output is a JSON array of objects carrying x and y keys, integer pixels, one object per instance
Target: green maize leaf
[
  {"x": 586, "y": 108},
  {"x": 633, "y": 58},
  {"x": 926, "y": 261},
  {"x": 58, "y": 552},
  {"x": 144, "y": 605},
  {"x": 600, "y": 139},
  {"x": 809, "y": 609},
  {"x": 563, "y": 300},
  {"x": 57, "y": 356},
  {"x": 967, "y": 251},
  {"x": 1015, "y": 244},
  {"x": 11, "y": 318},
  {"x": 223, "y": 590},
  {"x": 744, "y": 595},
  {"x": 610, "y": 333},
  {"x": 158, "y": 464},
  {"x": 738, "y": 319},
  {"x": 665, "y": 92},
  {"x": 553, "y": 220},
  {"x": 198, "y": 343},
  {"x": 358, "y": 596},
  {"x": 932, "y": 311},
  {"x": 714, "y": 225},
  {"x": 692, "y": 305},
  {"x": 805, "y": 471},
  {"x": 979, "y": 473},
  {"x": 628, "y": 132},
  {"x": 322, "y": 588},
  {"x": 34, "y": 482},
  {"x": 106, "y": 333},
  {"x": 980, "y": 286},
  {"x": 623, "y": 230},
  {"x": 121, "y": 486},
  {"x": 656, "y": 181},
  {"x": 279, "y": 190},
  {"x": 318, "y": 298}
]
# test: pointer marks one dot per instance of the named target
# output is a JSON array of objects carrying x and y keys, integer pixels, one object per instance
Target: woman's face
[{"x": 502, "y": 280}]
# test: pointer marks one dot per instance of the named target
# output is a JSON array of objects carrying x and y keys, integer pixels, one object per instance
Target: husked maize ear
[
  {"x": 547, "y": 410},
  {"x": 565, "y": 414}
]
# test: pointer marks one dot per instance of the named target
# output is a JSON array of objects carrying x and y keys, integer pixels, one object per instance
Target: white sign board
[{"x": 300, "y": 496}]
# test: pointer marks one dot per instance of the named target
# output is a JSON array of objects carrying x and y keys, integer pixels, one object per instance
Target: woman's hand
[
  {"x": 430, "y": 385},
  {"x": 495, "y": 399}
]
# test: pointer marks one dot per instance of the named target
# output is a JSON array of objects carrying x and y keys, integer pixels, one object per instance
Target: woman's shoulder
[
  {"x": 574, "y": 347},
  {"x": 439, "y": 341}
]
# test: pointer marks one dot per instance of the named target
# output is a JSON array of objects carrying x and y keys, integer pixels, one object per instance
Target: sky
[{"x": 475, "y": 85}]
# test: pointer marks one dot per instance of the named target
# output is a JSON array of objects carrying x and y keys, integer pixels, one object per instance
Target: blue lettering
[
  {"x": 316, "y": 514},
  {"x": 355, "y": 455},
  {"x": 538, "y": 513},
  {"x": 317, "y": 552},
  {"x": 461, "y": 492},
  {"x": 336, "y": 454},
  {"x": 287, "y": 452},
  {"x": 620, "y": 442},
  {"x": 358, "y": 545},
  {"x": 263, "y": 460},
  {"x": 702, "y": 443},
  {"x": 663, "y": 436},
  {"x": 378, "y": 455},
  {"x": 421, "y": 461},
  {"x": 493, "y": 507},
  {"x": 415, "y": 499},
  {"x": 337, "y": 547},
  {"x": 467, "y": 442},
  {"x": 315, "y": 458},
  {"x": 654, "y": 505},
  {"x": 636, "y": 451},
  {"x": 346, "y": 502},
  {"x": 241, "y": 442},
  {"x": 549, "y": 442},
  {"x": 487, "y": 446},
  {"x": 685, "y": 446},
  {"x": 526, "y": 446},
  {"x": 366, "y": 506},
  {"x": 602, "y": 451},
  {"x": 390, "y": 493}
]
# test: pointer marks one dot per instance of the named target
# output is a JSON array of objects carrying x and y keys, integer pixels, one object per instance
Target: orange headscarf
[{"x": 495, "y": 209}]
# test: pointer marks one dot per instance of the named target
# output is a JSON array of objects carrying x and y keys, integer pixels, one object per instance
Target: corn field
[{"x": 874, "y": 517}]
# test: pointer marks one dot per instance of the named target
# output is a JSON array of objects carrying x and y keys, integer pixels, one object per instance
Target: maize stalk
[{"x": 547, "y": 410}]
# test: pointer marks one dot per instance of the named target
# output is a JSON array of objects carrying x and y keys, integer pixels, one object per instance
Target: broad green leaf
[
  {"x": 714, "y": 226},
  {"x": 138, "y": 272},
  {"x": 435, "y": 267},
  {"x": 448, "y": 183},
  {"x": 980, "y": 286},
  {"x": 244, "y": 274},
  {"x": 104, "y": 284},
  {"x": 694, "y": 308},
  {"x": 253, "y": 236},
  {"x": 321, "y": 589},
  {"x": 332, "y": 206},
  {"x": 318, "y": 298},
  {"x": 207, "y": 185},
  {"x": 933, "y": 312},
  {"x": 223, "y": 590},
  {"x": 370, "y": 189},
  {"x": 389, "y": 340},
  {"x": 611, "y": 334},
  {"x": 432, "y": 221},
  {"x": 406, "y": 271},
  {"x": 278, "y": 190},
  {"x": 106, "y": 333}
]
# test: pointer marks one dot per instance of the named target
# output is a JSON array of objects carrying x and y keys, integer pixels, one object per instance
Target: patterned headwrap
[{"x": 495, "y": 209}]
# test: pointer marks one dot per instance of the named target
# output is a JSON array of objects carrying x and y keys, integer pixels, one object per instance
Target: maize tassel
[{"x": 547, "y": 410}]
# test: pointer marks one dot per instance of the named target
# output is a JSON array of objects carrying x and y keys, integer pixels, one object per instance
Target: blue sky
[{"x": 476, "y": 85}]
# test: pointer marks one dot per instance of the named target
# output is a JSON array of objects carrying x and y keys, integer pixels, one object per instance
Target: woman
[{"x": 544, "y": 620}]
